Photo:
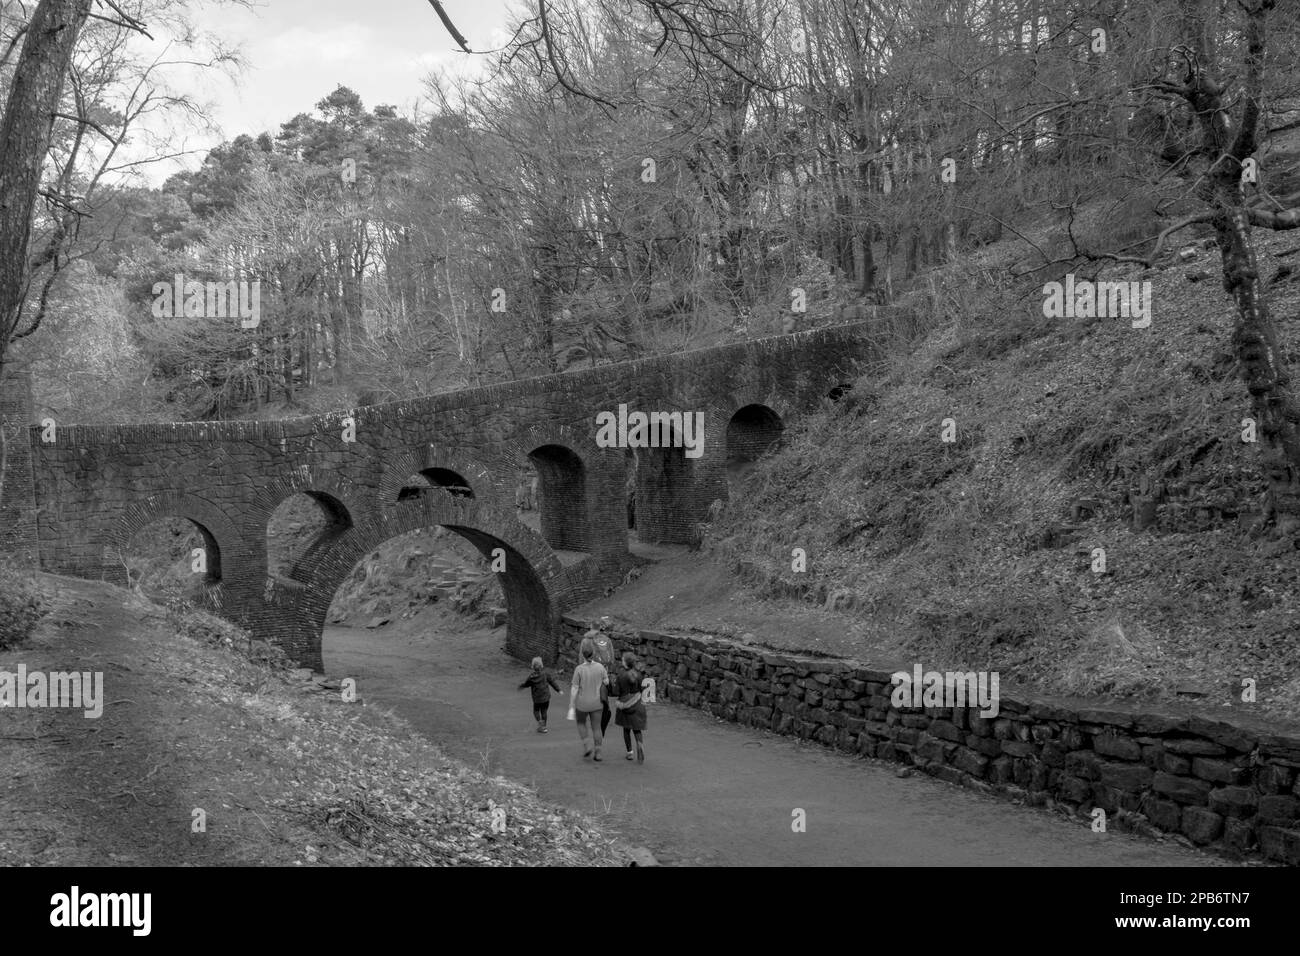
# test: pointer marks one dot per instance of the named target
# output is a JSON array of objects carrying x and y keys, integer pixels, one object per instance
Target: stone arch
[
  {"x": 338, "y": 501},
  {"x": 312, "y": 481},
  {"x": 563, "y": 459},
  {"x": 665, "y": 487},
  {"x": 453, "y": 482},
  {"x": 221, "y": 537},
  {"x": 756, "y": 395},
  {"x": 562, "y": 497},
  {"x": 535, "y": 585},
  {"x": 752, "y": 431},
  {"x": 478, "y": 477}
]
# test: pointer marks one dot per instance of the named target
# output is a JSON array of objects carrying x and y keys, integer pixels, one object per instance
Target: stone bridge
[{"x": 74, "y": 499}]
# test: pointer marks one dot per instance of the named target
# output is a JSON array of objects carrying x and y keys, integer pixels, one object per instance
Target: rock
[
  {"x": 1172, "y": 763},
  {"x": 1234, "y": 801},
  {"x": 1280, "y": 844},
  {"x": 1202, "y": 826},
  {"x": 1164, "y": 814},
  {"x": 968, "y": 761},
  {"x": 1075, "y": 789},
  {"x": 1182, "y": 789},
  {"x": 944, "y": 730},
  {"x": 1238, "y": 834},
  {"x": 1083, "y": 764},
  {"x": 640, "y": 856},
  {"x": 1111, "y": 745},
  {"x": 302, "y": 673},
  {"x": 1126, "y": 776},
  {"x": 1195, "y": 748},
  {"x": 1217, "y": 771},
  {"x": 1278, "y": 809},
  {"x": 1187, "y": 254}
]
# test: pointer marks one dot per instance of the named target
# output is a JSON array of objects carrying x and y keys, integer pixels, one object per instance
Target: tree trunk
[
  {"x": 25, "y": 133},
  {"x": 24, "y": 139},
  {"x": 1254, "y": 336}
]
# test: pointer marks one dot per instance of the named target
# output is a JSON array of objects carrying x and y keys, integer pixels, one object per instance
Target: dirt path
[{"x": 709, "y": 792}]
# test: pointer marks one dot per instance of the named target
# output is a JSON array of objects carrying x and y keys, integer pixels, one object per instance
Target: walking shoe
[
  {"x": 640, "y": 754},
  {"x": 630, "y": 755},
  {"x": 597, "y": 755},
  {"x": 586, "y": 754},
  {"x": 543, "y": 730}
]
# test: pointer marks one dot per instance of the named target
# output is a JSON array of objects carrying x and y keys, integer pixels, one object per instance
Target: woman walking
[
  {"x": 630, "y": 709},
  {"x": 585, "y": 697}
]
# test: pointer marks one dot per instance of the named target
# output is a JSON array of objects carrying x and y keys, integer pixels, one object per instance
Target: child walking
[
  {"x": 537, "y": 679},
  {"x": 630, "y": 709}
]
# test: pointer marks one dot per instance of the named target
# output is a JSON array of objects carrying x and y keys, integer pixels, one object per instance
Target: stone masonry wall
[{"x": 1219, "y": 785}]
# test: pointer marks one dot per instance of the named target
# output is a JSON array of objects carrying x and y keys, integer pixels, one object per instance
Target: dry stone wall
[{"x": 1218, "y": 784}]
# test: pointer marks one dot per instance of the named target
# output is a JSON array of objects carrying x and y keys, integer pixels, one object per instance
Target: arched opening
[
  {"x": 430, "y": 478},
  {"x": 414, "y": 575},
  {"x": 561, "y": 498},
  {"x": 665, "y": 509},
  {"x": 752, "y": 432},
  {"x": 301, "y": 524},
  {"x": 445, "y": 608},
  {"x": 172, "y": 557}
]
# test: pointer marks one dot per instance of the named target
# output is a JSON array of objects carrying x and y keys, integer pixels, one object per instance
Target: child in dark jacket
[{"x": 537, "y": 679}]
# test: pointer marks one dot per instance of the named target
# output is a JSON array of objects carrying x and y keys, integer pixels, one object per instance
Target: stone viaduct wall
[
  {"x": 1218, "y": 784},
  {"x": 80, "y": 497}
]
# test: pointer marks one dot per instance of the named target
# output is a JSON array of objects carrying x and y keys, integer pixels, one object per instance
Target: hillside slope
[{"x": 980, "y": 552}]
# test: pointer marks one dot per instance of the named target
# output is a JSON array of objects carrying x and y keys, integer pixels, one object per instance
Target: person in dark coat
[
  {"x": 629, "y": 708},
  {"x": 537, "y": 679}
]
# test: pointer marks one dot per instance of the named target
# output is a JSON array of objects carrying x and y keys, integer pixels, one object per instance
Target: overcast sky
[{"x": 298, "y": 51}]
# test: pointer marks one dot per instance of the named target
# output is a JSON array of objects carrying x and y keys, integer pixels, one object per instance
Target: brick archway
[
  {"x": 535, "y": 585},
  {"x": 475, "y": 472},
  {"x": 225, "y": 546}
]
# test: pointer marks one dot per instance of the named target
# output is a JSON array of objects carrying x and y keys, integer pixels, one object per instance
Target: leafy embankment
[
  {"x": 285, "y": 770},
  {"x": 1071, "y": 434},
  {"x": 21, "y": 604}
]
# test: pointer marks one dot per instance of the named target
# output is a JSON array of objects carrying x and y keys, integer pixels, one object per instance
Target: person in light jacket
[{"x": 585, "y": 698}]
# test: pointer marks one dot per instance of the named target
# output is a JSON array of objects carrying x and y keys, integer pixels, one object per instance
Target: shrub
[{"x": 21, "y": 604}]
